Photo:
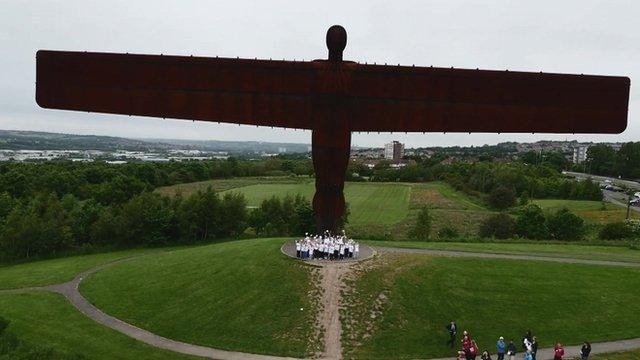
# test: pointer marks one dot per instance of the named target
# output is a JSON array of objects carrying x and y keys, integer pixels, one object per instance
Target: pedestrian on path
[
  {"x": 534, "y": 347},
  {"x": 527, "y": 355},
  {"x": 501, "y": 348},
  {"x": 558, "y": 352},
  {"x": 485, "y": 355},
  {"x": 511, "y": 350},
  {"x": 453, "y": 330},
  {"x": 585, "y": 351}
]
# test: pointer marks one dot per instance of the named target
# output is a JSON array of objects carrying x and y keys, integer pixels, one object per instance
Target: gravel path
[
  {"x": 332, "y": 275},
  {"x": 332, "y": 283}
]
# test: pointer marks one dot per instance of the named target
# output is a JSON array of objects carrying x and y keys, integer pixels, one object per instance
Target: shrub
[
  {"x": 448, "y": 232},
  {"x": 422, "y": 228},
  {"x": 500, "y": 226},
  {"x": 564, "y": 225},
  {"x": 531, "y": 223},
  {"x": 502, "y": 197},
  {"x": 3, "y": 324},
  {"x": 616, "y": 231}
]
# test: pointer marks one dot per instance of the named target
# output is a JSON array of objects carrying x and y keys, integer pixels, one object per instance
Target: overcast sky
[{"x": 590, "y": 37}]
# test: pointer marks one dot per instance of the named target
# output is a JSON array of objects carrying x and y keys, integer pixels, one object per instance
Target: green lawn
[
  {"x": 47, "y": 319},
  {"x": 487, "y": 297},
  {"x": 626, "y": 355},
  {"x": 369, "y": 203},
  {"x": 613, "y": 253},
  {"x": 242, "y": 295},
  {"x": 54, "y": 271},
  {"x": 595, "y": 212}
]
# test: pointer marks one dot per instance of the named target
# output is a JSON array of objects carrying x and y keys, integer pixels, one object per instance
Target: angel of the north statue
[{"x": 331, "y": 98}]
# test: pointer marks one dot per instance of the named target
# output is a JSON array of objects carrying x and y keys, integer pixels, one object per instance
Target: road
[
  {"x": 628, "y": 183},
  {"x": 616, "y": 198}
]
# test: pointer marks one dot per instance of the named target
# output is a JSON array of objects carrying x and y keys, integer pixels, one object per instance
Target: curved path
[{"x": 332, "y": 280}]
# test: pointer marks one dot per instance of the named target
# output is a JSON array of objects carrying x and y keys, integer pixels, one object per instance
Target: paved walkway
[{"x": 70, "y": 291}]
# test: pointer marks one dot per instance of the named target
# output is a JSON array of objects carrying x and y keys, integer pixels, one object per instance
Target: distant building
[
  {"x": 580, "y": 154},
  {"x": 394, "y": 151}
]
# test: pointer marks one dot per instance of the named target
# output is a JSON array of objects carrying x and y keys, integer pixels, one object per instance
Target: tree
[
  {"x": 531, "y": 223},
  {"x": 422, "y": 227},
  {"x": 36, "y": 228},
  {"x": 234, "y": 215},
  {"x": 199, "y": 216},
  {"x": 628, "y": 160},
  {"x": 564, "y": 225},
  {"x": 502, "y": 197},
  {"x": 499, "y": 226},
  {"x": 148, "y": 219},
  {"x": 601, "y": 159}
]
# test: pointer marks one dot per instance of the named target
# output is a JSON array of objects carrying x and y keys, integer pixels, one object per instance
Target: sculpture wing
[
  {"x": 413, "y": 99},
  {"x": 255, "y": 92}
]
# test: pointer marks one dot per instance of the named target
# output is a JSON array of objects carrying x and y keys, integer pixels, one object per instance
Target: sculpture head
[{"x": 336, "y": 42}]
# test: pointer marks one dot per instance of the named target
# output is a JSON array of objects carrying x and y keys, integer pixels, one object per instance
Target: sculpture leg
[{"x": 330, "y": 151}]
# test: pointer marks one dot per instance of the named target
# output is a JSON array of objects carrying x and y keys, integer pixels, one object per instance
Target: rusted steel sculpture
[{"x": 331, "y": 98}]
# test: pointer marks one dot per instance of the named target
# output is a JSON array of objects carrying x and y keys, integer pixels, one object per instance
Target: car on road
[{"x": 635, "y": 202}]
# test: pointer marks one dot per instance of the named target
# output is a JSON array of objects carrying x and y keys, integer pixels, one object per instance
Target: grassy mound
[
  {"x": 242, "y": 295},
  {"x": 47, "y": 319},
  {"x": 399, "y": 307},
  {"x": 55, "y": 271}
]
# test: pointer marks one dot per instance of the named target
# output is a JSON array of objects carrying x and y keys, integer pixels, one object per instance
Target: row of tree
[
  {"x": 116, "y": 184},
  {"x": 604, "y": 160},
  {"x": 45, "y": 225}
]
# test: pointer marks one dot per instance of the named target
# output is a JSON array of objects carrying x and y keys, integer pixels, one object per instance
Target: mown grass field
[
  {"x": 595, "y": 212},
  {"x": 55, "y": 271},
  {"x": 47, "y": 319},
  {"x": 489, "y": 298},
  {"x": 226, "y": 184},
  {"x": 242, "y": 295},
  {"x": 387, "y": 211}
]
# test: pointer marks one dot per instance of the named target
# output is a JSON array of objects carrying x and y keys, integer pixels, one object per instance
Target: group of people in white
[{"x": 327, "y": 247}]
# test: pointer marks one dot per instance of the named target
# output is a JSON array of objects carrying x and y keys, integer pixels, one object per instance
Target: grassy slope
[
  {"x": 47, "y": 319},
  {"x": 492, "y": 298},
  {"x": 242, "y": 295},
  {"x": 54, "y": 271},
  {"x": 626, "y": 355},
  {"x": 590, "y": 211},
  {"x": 614, "y": 253}
]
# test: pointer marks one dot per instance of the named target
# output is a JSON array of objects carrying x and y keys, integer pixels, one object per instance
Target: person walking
[
  {"x": 486, "y": 356},
  {"x": 472, "y": 350},
  {"x": 534, "y": 347},
  {"x": 585, "y": 351},
  {"x": 527, "y": 355},
  {"x": 558, "y": 352},
  {"x": 501, "y": 348},
  {"x": 511, "y": 350},
  {"x": 453, "y": 330}
]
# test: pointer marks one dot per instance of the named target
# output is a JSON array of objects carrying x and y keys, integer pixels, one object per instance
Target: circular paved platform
[{"x": 289, "y": 249}]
